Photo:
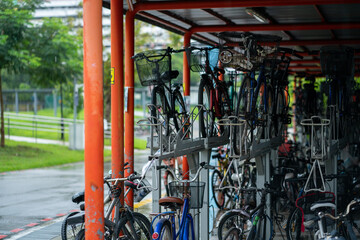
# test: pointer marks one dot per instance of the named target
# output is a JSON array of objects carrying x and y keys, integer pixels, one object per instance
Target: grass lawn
[{"x": 21, "y": 155}]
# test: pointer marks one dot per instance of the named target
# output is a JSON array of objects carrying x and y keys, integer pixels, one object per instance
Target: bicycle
[
  {"x": 185, "y": 195},
  {"x": 245, "y": 224},
  {"x": 167, "y": 103},
  {"x": 125, "y": 224},
  {"x": 346, "y": 225},
  {"x": 213, "y": 93}
]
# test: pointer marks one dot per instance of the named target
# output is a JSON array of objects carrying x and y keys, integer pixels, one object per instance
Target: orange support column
[
  {"x": 129, "y": 99},
  {"x": 117, "y": 92},
  {"x": 186, "y": 87},
  {"x": 94, "y": 123}
]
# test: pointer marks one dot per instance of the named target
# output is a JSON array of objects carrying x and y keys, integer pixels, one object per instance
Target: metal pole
[
  {"x": 94, "y": 124},
  {"x": 55, "y": 103},
  {"x": 62, "y": 113},
  {"x": 35, "y": 103},
  {"x": 75, "y": 113},
  {"x": 143, "y": 99},
  {"x": 16, "y": 102},
  {"x": 117, "y": 93},
  {"x": 129, "y": 99}
]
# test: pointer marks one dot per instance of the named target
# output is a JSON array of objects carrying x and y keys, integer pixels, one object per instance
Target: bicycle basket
[
  {"x": 195, "y": 190},
  {"x": 153, "y": 67},
  {"x": 196, "y": 59},
  {"x": 337, "y": 60}
]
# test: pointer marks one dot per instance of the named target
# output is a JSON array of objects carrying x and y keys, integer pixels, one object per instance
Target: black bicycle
[{"x": 167, "y": 102}]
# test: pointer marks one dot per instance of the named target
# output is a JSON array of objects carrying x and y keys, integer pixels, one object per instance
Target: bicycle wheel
[
  {"x": 168, "y": 178},
  {"x": 166, "y": 232},
  {"x": 126, "y": 227},
  {"x": 159, "y": 110},
  {"x": 233, "y": 220},
  {"x": 80, "y": 235},
  {"x": 219, "y": 195},
  {"x": 260, "y": 110},
  {"x": 280, "y": 113},
  {"x": 293, "y": 226},
  {"x": 179, "y": 111},
  {"x": 233, "y": 234},
  {"x": 69, "y": 232},
  {"x": 206, "y": 122},
  {"x": 241, "y": 133}
]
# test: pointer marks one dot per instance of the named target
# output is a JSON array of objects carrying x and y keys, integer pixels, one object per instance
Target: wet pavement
[{"x": 41, "y": 196}]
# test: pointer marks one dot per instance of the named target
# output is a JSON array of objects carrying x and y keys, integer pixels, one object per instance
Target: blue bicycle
[{"x": 185, "y": 195}]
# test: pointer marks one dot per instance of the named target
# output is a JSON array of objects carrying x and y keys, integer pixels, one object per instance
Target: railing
[{"x": 43, "y": 126}]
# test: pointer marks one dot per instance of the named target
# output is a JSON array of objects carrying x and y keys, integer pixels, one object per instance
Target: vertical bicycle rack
[
  {"x": 184, "y": 142},
  {"x": 319, "y": 151}
]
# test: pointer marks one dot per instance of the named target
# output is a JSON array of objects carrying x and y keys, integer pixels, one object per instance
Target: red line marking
[
  {"x": 75, "y": 210},
  {"x": 32, "y": 224},
  {"x": 16, "y": 230},
  {"x": 60, "y": 214},
  {"x": 3, "y": 236},
  {"x": 46, "y": 219}
]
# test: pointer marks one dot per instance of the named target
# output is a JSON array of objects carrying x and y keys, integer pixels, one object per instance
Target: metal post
[
  {"x": 94, "y": 124},
  {"x": 204, "y": 214},
  {"x": 143, "y": 99},
  {"x": 35, "y": 103},
  {"x": 16, "y": 102},
  {"x": 75, "y": 113},
  {"x": 117, "y": 93},
  {"x": 55, "y": 103},
  {"x": 129, "y": 99}
]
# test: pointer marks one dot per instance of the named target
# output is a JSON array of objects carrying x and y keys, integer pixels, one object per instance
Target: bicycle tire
[
  {"x": 293, "y": 225},
  {"x": 143, "y": 232},
  {"x": 206, "y": 123},
  {"x": 169, "y": 175},
  {"x": 73, "y": 232},
  {"x": 242, "y": 110},
  {"x": 227, "y": 222},
  {"x": 219, "y": 196},
  {"x": 233, "y": 234},
  {"x": 280, "y": 112},
  {"x": 80, "y": 235},
  {"x": 166, "y": 231},
  {"x": 180, "y": 113},
  {"x": 260, "y": 111},
  {"x": 159, "y": 109}
]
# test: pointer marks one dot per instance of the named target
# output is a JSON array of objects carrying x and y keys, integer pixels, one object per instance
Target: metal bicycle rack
[
  {"x": 181, "y": 143},
  {"x": 318, "y": 152}
]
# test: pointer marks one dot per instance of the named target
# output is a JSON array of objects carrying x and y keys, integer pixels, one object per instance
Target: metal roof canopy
[{"x": 303, "y": 24}]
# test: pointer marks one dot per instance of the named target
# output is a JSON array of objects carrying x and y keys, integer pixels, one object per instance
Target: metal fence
[{"x": 36, "y": 126}]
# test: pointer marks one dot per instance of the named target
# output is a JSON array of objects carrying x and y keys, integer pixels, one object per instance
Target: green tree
[{"x": 14, "y": 42}]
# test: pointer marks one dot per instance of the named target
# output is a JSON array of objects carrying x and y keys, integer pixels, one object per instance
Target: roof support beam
[
  {"x": 318, "y": 42},
  {"x": 200, "y": 4},
  {"x": 323, "y": 19},
  {"x": 276, "y": 27},
  {"x": 218, "y": 16}
]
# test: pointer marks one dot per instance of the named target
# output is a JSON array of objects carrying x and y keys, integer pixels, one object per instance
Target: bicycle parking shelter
[{"x": 303, "y": 24}]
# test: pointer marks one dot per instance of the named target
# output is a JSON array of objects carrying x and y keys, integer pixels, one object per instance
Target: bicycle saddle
[
  {"x": 78, "y": 197},
  {"x": 322, "y": 204},
  {"x": 173, "y": 74},
  {"x": 171, "y": 202}
]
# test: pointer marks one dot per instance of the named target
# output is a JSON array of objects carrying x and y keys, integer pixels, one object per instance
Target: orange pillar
[
  {"x": 129, "y": 99},
  {"x": 94, "y": 123},
  {"x": 186, "y": 87},
  {"x": 117, "y": 92}
]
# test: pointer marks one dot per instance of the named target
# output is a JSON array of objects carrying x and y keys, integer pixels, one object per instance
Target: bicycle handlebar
[
  {"x": 348, "y": 209},
  {"x": 202, "y": 165},
  {"x": 290, "y": 51},
  {"x": 168, "y": 50}
]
